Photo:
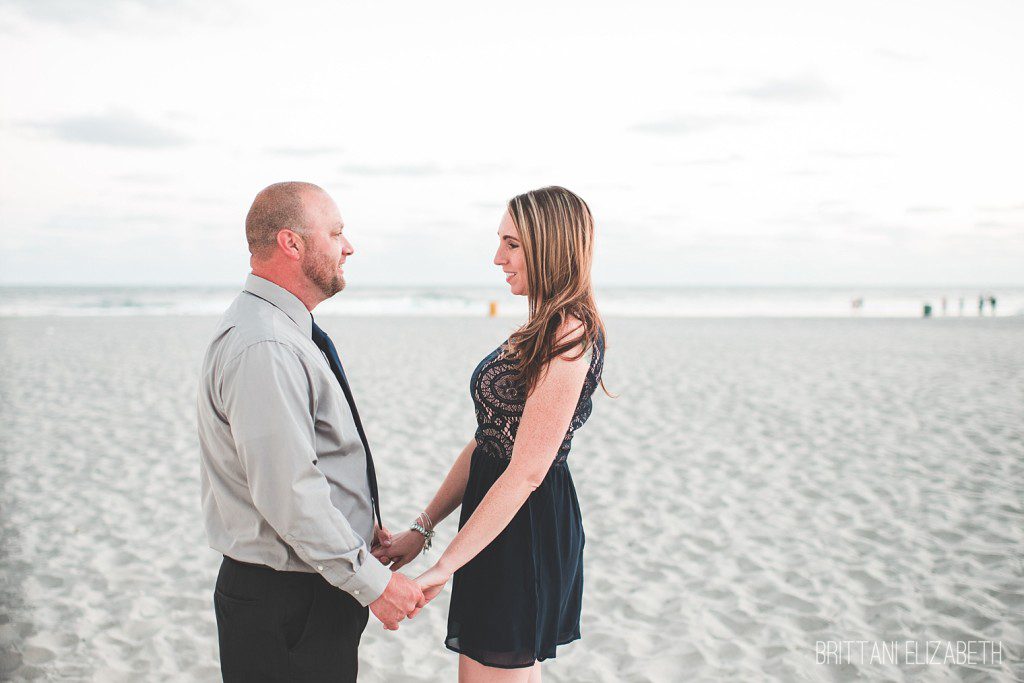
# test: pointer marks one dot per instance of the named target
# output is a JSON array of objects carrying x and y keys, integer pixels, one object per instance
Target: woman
[{"x": 518, "y": 556}]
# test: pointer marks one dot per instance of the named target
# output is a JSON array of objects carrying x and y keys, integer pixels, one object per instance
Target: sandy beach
[{"x": 758, "y": 485}]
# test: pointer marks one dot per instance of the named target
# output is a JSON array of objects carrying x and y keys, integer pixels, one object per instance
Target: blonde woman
[{"x": 518, "y": 557}]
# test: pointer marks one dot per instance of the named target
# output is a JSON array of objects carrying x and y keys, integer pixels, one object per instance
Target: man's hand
[
  {"x": 402, "y": 598},
  {"x": 402, "y": 549},
  {"x": 381, "y": 538}
]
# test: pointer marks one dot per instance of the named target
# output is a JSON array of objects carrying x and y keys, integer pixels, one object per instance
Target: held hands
[
  {"x": 381, "y": 537},
  {"x": 402, "y": 598},
  {"x": 432, "y": 581},
  {"x": 400, "y": 549}
]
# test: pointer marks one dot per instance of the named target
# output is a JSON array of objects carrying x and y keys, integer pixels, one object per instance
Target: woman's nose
[{"x": 499, "y": 258}]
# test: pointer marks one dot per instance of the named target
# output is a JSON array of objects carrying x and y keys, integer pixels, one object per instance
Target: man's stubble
[{"x": 323, "y": 273}]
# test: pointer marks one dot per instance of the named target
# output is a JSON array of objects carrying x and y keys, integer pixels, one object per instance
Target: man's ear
[{"x": 290, "y": 242}]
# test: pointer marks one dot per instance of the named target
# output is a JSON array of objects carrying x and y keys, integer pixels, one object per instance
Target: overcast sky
[{"x": 717, "y": 142}]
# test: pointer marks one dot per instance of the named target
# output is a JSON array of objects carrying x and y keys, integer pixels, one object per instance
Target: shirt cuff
[{"x": 368, "y": 583}]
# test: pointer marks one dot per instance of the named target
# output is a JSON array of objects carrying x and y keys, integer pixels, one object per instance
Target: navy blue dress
[{"x": 521, "y": 596}]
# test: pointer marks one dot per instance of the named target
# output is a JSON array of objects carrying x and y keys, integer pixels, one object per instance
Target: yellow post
[{"x": 493, "y": 310}]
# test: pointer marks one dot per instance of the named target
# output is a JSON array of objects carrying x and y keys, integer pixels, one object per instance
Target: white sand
[{"x": 758, "y": 485}]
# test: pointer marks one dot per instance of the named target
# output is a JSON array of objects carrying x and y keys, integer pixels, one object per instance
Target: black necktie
[{"x": 321, "y": 339}]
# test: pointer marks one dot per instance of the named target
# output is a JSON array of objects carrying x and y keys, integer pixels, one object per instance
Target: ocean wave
[{"x": 682, "y": 302}]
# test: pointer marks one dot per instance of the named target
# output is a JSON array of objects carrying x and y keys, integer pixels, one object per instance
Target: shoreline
[{"x": 500, "y": 318}]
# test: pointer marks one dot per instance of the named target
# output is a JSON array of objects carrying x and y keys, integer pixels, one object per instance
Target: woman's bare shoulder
[{"x": 571, "y": 330}]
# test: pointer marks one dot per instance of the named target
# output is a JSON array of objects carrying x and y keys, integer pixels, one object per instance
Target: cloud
[
  {"x": 310, "y": 151},
  {"x": 927, "y": 209},
  {"x": 115, "y": 13},
  {"x": 141, "y": 178},
  {"x": 894, "y": 232},
  {"x": 479, "y": 169},
  {"x": 1000, "y": 228},
  {"x": 850, "y": 156},
  {"x": 806, "y": 172},
  {"x": 793, "y": 90},
  {"x": 115, "y": 128},
  {"x": 827, "y": 214},
  {"x": 449, "y": 225},
  {"x": 687, "y": 123},
  {"x": 673, "y": 219},
  {"x": 488, "y": 205},
  {"x": 151, "y": 218},
  {"x": 1002, "y": 209},
  {"x": 422, "y": 170},
  {"x": 153, "y": 196},
  {"x": 705, "y": 161},
  {"x": 380, "y": 170},
  {"x": 843, "y": 217},
  {"x": 66, "y": 11},
  {"x": 897, "y": 56}
]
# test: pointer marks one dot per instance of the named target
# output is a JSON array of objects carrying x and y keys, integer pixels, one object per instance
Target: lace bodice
[{"x": 499, "y": 402}]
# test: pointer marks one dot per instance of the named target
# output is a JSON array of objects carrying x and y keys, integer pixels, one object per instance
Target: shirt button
[
  {"x": 355, "y": 592},
  {"x": 319, "y": 567}
]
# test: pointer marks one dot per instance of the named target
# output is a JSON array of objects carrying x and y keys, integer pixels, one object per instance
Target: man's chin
[
  {"x": 336, "y": 286},
  {"x": 329, "y": 289}
]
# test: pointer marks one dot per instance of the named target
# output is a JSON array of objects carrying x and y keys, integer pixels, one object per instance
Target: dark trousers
[{"x": 285, "y": 626}]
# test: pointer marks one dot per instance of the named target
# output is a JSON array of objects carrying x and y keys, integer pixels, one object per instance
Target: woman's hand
[
  {"x": 401, "y": 550},
  {"x": 433, "y": 580}
]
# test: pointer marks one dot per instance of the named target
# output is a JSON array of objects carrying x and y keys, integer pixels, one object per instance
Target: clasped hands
[{"x": 403, "y": 596}]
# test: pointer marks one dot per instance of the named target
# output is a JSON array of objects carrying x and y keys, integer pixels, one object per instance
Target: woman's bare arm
[
  {"x": 545, "y": 420},
  {"x": 449, "y": 495}
]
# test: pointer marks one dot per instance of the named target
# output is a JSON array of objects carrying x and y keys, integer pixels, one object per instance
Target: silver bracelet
[{"x": 428, "y": 535}]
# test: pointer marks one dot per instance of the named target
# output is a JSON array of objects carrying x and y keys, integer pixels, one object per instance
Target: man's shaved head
[{"x": 276, "y": 207}]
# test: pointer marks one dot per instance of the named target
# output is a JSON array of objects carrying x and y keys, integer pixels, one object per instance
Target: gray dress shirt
[{"x": 282, "y": 468}]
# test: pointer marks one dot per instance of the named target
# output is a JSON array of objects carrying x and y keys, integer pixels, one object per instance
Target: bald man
[{"x": 288, "y": 484}]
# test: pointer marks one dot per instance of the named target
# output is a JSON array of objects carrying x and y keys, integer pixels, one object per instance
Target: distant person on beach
[
  {"x": 961, "y": 306},
  {"x": 288, "y": 486},
  {"x": 517, "y": 559},
  {"x": 992, "y": 303},
  {"x": 981, "y": 304}
]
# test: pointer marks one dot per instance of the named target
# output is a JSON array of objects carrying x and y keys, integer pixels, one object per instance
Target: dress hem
[{"x": 513, "y": 666}]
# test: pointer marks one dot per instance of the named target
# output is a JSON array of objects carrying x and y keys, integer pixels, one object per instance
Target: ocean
[{"x": 669, "y": 302}]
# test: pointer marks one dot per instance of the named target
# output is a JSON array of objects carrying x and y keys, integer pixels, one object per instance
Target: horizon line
[{"x": 187, "y": 285}]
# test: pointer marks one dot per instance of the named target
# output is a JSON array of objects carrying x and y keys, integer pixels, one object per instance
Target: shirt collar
[{"x": 282, "y": 299}]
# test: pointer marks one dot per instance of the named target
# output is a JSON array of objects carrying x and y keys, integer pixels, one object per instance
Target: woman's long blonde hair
[{"x": 556, "y": 231}]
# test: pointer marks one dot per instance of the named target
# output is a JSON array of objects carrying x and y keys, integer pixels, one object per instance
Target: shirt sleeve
[{"x": 269, "y": 402}]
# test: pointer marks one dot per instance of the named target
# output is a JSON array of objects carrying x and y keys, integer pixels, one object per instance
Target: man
[{"x": 288, "y": 485}]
